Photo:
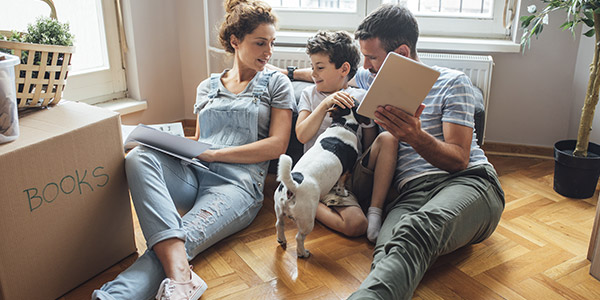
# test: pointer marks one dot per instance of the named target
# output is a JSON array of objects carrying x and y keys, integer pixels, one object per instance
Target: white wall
[
  {"x": 166, "y": 59},
  {"x": 192, "y": 49},
  {"x": 531, "y": 93},
  {"x": 534, "y": 100}
]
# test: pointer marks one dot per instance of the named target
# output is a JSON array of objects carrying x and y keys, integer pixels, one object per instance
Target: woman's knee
[{"x": 137, "y": 158}]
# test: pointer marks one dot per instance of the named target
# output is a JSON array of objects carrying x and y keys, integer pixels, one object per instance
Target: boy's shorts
[{"x": 359, "y": 187}]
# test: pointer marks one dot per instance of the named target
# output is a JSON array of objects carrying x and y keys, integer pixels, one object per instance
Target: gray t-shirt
[{"x": 279, "y": 94}]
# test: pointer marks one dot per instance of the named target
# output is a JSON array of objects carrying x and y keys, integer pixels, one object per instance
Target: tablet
[{"x": 401, "y": 82}]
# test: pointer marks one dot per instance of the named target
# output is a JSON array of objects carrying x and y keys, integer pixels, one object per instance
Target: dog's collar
[{"x": 345, "y": 126}]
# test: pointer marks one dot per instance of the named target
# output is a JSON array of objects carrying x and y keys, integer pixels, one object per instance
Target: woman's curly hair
[{"x": 241, "y": 18}]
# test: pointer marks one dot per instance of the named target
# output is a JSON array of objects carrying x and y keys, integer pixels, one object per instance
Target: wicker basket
[{"x": 42, "y": 74}]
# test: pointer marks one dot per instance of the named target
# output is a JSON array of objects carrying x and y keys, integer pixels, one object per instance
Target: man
[
  {"x": 448, "y": 193},
  {"x": 445, "y": 193}
]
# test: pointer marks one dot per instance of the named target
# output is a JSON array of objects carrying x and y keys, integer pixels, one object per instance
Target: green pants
[{"x": 432, "y": 216}]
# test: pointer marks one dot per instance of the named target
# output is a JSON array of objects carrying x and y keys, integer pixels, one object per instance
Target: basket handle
[{"x": 52, "y": 9}]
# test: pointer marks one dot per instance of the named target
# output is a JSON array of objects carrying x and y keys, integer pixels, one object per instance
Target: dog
[{"x": 330, "y": 160}]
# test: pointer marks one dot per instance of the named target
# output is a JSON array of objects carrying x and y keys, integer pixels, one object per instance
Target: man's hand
[
  {"x": 403, "y": 126},
  {"x": 452, "y": 154}
]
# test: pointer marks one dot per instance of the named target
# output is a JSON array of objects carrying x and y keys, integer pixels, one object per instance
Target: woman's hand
[{"x": 208, "y": 156}]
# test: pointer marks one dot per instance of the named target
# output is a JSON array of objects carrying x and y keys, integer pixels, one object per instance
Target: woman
[{"x": 245, "y": 113}]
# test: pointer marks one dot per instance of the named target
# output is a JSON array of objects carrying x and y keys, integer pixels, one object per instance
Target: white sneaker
[{"x": 188, "y": 290}]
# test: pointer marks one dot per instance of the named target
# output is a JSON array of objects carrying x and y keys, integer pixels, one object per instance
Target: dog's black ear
[
  {"x": 333, "y": 111},
  {"x": 360, "y": 118},
  {"x": 336, "y": 112}
]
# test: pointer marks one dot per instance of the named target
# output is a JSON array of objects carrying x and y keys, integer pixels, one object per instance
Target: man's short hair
[
  {"x": 339, "y": 46},
  {"x": 394, "y": 25}
]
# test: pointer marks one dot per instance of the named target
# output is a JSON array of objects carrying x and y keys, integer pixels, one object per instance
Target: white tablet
[{"x": 401, "y": 82}]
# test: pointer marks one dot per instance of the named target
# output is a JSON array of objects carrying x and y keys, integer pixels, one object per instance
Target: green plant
[
  {"x": 578, "y": 11},
  {"x": 13, "y": 37},
  {"x": 48, "y": 31},
  {"x": 45, "y": 31}
]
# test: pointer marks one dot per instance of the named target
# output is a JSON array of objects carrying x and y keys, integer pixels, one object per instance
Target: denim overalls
[
  {"x": 226, "y": 123},
  {"x": 217, "y": 202}
]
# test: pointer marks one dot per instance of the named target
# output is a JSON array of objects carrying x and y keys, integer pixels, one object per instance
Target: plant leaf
[
  {"x": 566, "y": 25},
  {"x": 526, "y": 20},
  {"x": 590, "y": 33}
]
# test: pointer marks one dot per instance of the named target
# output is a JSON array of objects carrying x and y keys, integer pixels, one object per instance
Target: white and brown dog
[{"x": 330, "y": 160}]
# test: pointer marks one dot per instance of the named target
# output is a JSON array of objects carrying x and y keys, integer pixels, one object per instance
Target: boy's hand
[{"x": 340, "y": 98}]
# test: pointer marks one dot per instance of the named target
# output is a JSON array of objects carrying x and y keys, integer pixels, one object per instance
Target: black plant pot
[{"x": 575, "y": 177}]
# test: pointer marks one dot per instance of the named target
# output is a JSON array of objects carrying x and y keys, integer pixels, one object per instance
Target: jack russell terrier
[{"x": 330, "y": 160}]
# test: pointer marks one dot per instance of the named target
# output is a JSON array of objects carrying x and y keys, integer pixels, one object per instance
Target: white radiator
[{"x": 477, "y": 67}]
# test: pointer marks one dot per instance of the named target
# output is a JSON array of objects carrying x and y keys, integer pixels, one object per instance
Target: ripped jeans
[{"x": 162, "y": 189}]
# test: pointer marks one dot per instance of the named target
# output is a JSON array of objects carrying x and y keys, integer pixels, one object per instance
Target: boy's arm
[{"x": 308, "y": 124}]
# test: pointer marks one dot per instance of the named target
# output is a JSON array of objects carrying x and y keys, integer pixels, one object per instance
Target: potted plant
[
  {"x": 45, "y": 51},
  {"x": 577, "y": 162}
]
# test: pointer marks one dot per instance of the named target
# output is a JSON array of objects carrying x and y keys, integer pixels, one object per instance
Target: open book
[
  {"x": 401, "y": 82},
  {"x": 171, "y": 142}
]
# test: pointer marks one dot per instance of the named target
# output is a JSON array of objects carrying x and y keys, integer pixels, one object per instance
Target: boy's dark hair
[
  {"x": 339, "y": 46},
  {"x": 394, "y": 25}
]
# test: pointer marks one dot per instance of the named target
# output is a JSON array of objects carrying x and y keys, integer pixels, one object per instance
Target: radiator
[{"x": 477, "y": 67}]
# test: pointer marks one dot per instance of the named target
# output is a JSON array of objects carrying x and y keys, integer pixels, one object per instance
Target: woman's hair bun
[
  {"x": 242, "y": 17},
  {"x": 231, "y": 4}
]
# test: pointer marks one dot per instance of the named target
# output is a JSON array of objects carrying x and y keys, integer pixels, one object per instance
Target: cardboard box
[{"x": 65, "y": 213}]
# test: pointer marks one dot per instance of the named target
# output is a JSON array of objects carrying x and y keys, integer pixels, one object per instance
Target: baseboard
[
  {"x": 189, "y": 126},
  {"x": 189, "y": 123},
  {"x": 518, "y": 150}
]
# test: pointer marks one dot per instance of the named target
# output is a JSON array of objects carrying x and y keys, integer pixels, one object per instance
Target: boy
[{"x": 334, "y": 58}]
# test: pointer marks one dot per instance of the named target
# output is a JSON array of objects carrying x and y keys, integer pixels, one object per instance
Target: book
[
  {"x": 173, "y": 128},
  {"x": 166, "y": 138},
  {"x": 401, "y": 82}
]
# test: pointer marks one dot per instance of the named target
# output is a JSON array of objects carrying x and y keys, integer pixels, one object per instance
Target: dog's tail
[{"x": 284, "y": 172}]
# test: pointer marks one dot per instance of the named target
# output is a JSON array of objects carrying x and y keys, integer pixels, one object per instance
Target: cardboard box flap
[{"x": 36, "y": 126}]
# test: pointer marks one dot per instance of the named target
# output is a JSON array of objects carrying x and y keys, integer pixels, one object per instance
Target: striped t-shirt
[{"x": 450, "y": 100}]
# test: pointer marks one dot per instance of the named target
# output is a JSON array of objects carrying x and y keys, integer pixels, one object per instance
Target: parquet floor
[{"x": 537, "y": 252}]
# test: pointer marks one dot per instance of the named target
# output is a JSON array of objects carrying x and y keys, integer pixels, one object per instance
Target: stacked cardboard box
[{"x": 65, "y": 213}]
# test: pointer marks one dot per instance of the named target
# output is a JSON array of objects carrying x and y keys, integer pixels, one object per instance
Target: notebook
[{"x": 401, "y": 82}]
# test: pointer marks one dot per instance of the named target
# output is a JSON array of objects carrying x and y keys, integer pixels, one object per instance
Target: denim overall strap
[
  {"x": 233, "y": 121},
  {"x": 214, "y": 85},
  {"x": 261, "y": 86}
]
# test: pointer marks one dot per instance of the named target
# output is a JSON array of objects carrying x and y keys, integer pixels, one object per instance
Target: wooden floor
[{"x": 537, "y": 252}]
